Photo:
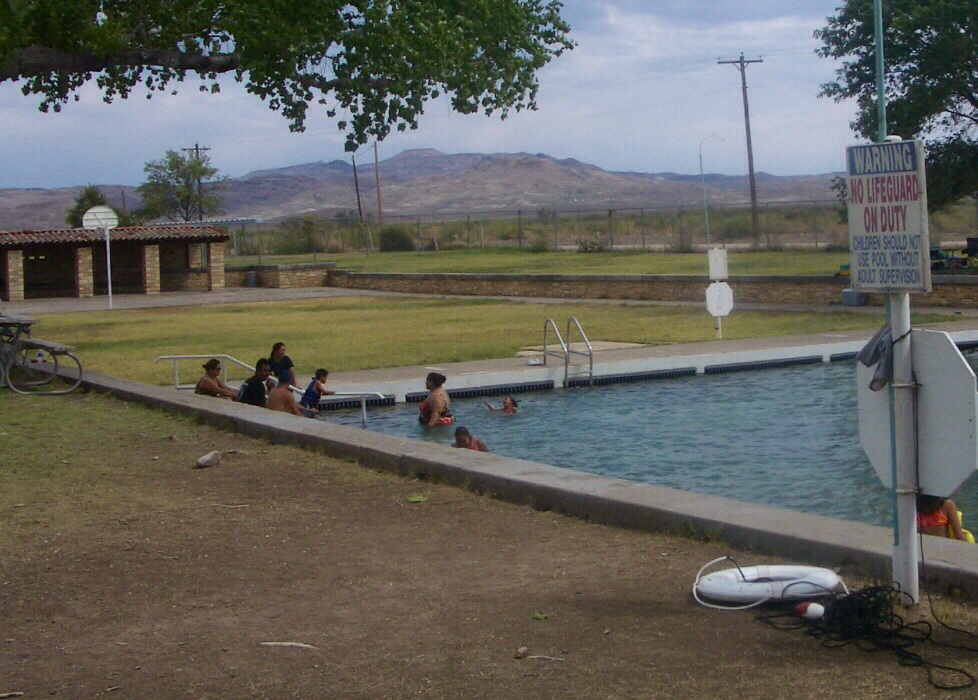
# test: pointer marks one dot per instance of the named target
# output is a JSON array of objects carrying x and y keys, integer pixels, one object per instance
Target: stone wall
[
  {"x": 151, "y": 269},
  {"x": 192, "y": 281},
  {"x": 824, "y": 290},
  {"x": 281, "y": 276},
  {"x": 215, "y": 265},
  {"x": 84, "y": 276},
  {"x": 12, "y": 273}
]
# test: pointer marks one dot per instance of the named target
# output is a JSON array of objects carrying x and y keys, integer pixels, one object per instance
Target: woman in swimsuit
[
  {"x": 434, "y": 410},
  {"x": 939, "y": 517},
  {"x": 211, "y": 385}
]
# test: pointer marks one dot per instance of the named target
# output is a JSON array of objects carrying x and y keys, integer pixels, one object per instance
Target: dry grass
[{"x": 359, "y": 333}]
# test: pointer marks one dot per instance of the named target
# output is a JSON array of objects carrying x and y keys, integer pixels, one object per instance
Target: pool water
[{"x": 784, "y": 437}]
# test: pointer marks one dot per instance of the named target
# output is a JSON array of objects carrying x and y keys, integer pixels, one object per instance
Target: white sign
[
  {"x": 100, "y": 216},
  {"x": 888, "y": 235},
  {"x": 719, "y": 299},
  {"x": 947, "y": 416},
  {"x": 718, "y": 263}
]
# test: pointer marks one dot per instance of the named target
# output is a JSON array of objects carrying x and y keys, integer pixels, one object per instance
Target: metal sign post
[
  {"x": 105, "y": 218},
  {"x": 719, "y": 295},
  {"x": 890, "y": 253}
]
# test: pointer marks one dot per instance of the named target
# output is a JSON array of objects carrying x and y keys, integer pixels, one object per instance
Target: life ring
[{"x": 749, "y": 586}]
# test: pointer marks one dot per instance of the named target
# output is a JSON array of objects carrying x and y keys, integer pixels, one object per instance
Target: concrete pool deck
[{"x": 807, "y": 538}]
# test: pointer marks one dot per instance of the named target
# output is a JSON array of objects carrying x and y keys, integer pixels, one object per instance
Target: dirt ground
[{"x": 126, "y": 573}]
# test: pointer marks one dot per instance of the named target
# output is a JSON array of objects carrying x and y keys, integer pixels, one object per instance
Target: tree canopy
[
  {"x": 374, "y": 62},
  {"x": 931, "y": 55},
  {"x": 181, "y": 188},
  {"x": 88, "y": 198}
]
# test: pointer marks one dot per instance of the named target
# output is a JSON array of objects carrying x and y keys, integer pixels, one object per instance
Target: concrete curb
[{"x": 813, "y": 539}]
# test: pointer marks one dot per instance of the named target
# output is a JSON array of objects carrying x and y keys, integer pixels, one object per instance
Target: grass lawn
[
  {"x": 513, "y": 260},
  {"x": 361, "y": 333}
]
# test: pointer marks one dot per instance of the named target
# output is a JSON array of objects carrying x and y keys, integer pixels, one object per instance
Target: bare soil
[{"x": 127, "y": 573}]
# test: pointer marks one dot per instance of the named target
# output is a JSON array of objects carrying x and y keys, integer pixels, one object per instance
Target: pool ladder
[{"x": 566, "y": 350}]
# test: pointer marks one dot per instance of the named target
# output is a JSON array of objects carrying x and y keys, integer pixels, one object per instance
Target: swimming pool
[{"x": 785, "y": 437}]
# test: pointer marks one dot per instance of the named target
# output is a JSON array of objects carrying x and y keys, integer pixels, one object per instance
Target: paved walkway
[{"x": 245, "y": 295}]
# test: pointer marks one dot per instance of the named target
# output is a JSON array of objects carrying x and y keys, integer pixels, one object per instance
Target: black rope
[{"x": 868, "y": 619}]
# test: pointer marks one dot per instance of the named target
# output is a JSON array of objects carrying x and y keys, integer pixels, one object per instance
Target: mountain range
[{"x": 429, "y": 183}]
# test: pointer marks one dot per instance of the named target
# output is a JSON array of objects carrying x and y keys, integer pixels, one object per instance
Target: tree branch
[{"x": 32, "y": 61}]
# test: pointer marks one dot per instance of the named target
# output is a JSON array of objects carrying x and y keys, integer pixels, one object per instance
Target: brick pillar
[
  {"x": 84, "y": 277},
  {"x": 151, "y": 269},
  {"x": 13, "y": 275},
  {"x": 215, "y": 265}
]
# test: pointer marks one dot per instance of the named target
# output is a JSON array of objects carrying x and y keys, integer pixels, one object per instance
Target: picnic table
[{"x": 29, "y": 365}]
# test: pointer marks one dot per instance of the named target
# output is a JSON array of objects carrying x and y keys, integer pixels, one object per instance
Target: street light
[{"x": 706, "y": 208}]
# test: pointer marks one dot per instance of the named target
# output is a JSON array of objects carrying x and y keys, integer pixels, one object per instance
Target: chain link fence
[{"x": 812, "y": 224}]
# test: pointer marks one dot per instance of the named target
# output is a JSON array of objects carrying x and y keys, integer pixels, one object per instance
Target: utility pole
[
  {"x": 741, "y": 65},
  {"x": 200, "y": 191},
  {"x": 380, "y": 215}
]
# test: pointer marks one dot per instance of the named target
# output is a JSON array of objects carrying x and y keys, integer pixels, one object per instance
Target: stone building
[{"x": 145, "y": 260}]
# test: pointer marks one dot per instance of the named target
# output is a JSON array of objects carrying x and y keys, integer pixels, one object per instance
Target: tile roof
[{"x": 141, "y": 234}]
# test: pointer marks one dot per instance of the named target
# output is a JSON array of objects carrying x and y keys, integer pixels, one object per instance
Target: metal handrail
[
  {"x": 549, "y": 323},
  {"x": 224, "y": 372},
  {"x": 363, "y": 400},
  {"x": 589, "y": 354}
]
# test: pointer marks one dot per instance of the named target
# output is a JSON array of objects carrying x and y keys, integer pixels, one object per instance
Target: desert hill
[{"x": 428, "y": 182}]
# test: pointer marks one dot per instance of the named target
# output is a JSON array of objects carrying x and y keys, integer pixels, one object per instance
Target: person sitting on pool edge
[
  {"x": 464, "y": 440},
  {"x": 435, "y": 410},
  {"x": 938, "y": 516},
  {"x": 211, "y": 383},
  {"x": 283, "y": 368},
  {"x": 315, "y": 391},
  {"x": 252, "y": 391},
  {"x": 509, "y": 406}
]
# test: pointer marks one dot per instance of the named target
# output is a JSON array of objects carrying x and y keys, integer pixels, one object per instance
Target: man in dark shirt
[{"x": 253, "y": 388}]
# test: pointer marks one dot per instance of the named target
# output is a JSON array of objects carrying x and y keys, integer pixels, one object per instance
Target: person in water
[
  {"x": 464, "y": 440},
  {"x": 509, "y": 406},
  {"x": 315, "y": 391},
  {"x": 280, "y": 398},
  {"x": 283, "y": 368},
  {"x": 435, "y": 410},
  {"x": 211, "y": 383},
  {"x": 938, "y": 516}
]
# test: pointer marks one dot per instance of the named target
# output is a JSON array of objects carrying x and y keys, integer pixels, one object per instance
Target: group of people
[
  {"x": 269, "y": 387},
  {"x": 435, "y": 411}
]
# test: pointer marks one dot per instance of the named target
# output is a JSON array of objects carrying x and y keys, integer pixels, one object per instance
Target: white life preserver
[{"x": 749, "y": 586}]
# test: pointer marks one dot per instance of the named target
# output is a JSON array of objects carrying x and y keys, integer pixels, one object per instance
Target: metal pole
[
  {"x": 903, "y": 450},
  {"x": 903, "y": 424},
  {"x": 380, "y": 214},
  {"x": 356, "y": 185},
  {"x": 706, "y": 208},
  {"x": 108, "y": 265},
  {"x": 880, "y": 75}
]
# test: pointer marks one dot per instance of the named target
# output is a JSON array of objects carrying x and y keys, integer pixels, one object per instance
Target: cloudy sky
[{"x": 640, "y": 92}]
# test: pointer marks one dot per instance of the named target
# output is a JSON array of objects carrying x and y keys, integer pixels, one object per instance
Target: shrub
[
  {"x": 396, "y": 238},
  {"x": 592, "y": 246}
]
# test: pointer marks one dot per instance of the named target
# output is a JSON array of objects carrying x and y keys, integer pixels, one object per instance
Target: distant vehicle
[{"x": 945, "y": 262}]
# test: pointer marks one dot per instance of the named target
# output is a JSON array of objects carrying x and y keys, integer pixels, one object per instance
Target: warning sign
[{"x": 888, "y": 236}]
